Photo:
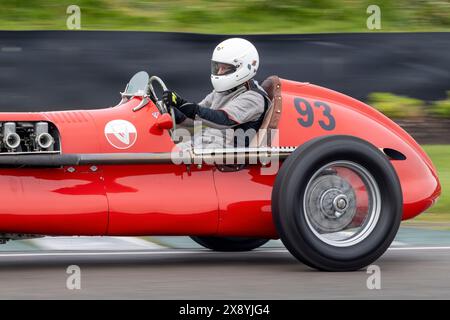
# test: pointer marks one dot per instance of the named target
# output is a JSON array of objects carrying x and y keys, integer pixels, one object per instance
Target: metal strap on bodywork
[
  {"x": 196, "y": 156},
  {"x": 263, "y": 155}
]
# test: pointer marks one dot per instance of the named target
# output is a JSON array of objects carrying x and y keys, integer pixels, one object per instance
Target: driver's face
[{"x": 223, "y": 68}]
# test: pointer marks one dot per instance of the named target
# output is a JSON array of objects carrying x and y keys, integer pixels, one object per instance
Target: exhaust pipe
[
  {"x": 10, "y": 138},
  {"x": 43, "y": 140}
]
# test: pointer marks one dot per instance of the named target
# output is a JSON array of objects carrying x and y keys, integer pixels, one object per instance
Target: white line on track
[
  {"x": 418, "y": 248},
  {"x": 173, "y": 252},
  {"x": 96, "y": 254},
  {"x": 390, "y": 249}
]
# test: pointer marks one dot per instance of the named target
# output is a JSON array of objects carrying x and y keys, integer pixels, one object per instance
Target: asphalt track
[{"x": 267, "y": 273}]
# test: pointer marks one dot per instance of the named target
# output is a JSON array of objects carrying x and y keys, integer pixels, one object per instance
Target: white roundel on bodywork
[{"x": 121, "y": 134}]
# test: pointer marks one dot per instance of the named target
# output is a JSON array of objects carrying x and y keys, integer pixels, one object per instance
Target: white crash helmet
[{"x": 241, "y": 60}]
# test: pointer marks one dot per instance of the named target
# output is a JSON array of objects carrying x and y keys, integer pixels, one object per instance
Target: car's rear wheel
[
  {"x": 229, "y": 244},
  {"x": 337, "y": 203}
]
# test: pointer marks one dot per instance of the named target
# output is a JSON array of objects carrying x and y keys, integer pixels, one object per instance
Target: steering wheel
[{"x": 159, "y": 103}]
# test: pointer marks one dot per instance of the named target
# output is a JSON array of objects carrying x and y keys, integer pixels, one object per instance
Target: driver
[{"x": 237, "y": 101}]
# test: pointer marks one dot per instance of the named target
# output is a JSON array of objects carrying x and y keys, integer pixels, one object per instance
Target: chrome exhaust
[
  {"x": 43, "y": 140},
  {"x": 10, "y": 138}
]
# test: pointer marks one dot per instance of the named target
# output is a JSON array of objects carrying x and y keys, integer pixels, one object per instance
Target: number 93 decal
[{"x": 306, "y": 111}]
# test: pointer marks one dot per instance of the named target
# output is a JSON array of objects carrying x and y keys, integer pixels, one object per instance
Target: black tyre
[
  {"x": 230, "y": 243},
  {"x": 337, "y": 203}
]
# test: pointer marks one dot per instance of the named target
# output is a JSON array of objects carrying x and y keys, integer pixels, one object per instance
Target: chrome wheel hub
[
  {"x": 331, "y": 203},
  {"x": 342, "y": 203}
]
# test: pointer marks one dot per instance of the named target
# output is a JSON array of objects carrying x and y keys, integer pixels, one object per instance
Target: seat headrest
[{"x": 269, "y": 85}]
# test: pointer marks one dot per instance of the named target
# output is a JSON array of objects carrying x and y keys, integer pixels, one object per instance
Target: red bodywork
[{"x": 169, "y": 199}]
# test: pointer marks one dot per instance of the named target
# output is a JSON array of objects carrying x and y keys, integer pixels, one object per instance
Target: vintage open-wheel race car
[{"x": 329, "y": 175}]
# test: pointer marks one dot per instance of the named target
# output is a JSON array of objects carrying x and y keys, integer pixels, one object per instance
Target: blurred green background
[
  {"x": 230, "y": 16},
  {"x": 261, "y": 16}
]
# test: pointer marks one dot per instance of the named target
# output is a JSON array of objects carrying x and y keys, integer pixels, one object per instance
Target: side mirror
[{"x": 164, "y": 122}]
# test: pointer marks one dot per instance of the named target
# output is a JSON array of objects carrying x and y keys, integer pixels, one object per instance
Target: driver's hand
[{"x": 172, "y": 99}]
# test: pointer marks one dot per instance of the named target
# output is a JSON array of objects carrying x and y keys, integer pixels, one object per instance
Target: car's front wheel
[
  {"x": 229, "y": 244},
  {"x": 337, "y": 203}
]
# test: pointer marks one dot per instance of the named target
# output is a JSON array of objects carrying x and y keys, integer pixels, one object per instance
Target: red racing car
[{"x": 329, "y": 175}]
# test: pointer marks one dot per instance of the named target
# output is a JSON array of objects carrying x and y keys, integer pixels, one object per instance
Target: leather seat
[{"x": 272, "y": 85}]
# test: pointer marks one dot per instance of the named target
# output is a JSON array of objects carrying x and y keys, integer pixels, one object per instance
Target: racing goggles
[{"x": 221, "y": 69}]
